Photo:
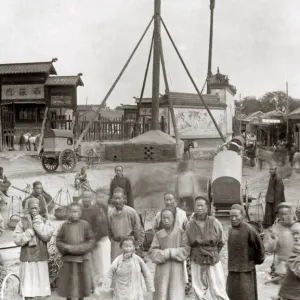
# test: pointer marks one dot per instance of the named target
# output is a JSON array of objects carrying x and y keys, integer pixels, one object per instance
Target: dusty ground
[{"x": 150, "y": 181}]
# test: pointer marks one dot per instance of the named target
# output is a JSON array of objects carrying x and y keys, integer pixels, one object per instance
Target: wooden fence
[{"x": 101, "y": 130}]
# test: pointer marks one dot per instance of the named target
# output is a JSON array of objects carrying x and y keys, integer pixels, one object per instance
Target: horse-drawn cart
[{"x": 58, "y": 151}]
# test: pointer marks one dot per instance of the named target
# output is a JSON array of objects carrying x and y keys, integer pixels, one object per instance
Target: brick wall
[{"x": 140, "y": 152}]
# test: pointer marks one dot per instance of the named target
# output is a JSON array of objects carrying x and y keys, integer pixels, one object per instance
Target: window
[{"x": 29, "y": 114}]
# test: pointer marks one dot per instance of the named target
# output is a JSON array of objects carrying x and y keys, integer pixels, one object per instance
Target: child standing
[
  {"x": 74, "y": 241},
  {"x": 127, "y": 270},
  {"x": 32, "y": 233}
]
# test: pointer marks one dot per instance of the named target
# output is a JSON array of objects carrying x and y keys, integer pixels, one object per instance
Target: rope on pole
[
  {"x": 163, "y": 64},
  {"x": 143, "y": 87},
  {"x": 113, "y": 86},
  {"x": 192, "y": 80}
]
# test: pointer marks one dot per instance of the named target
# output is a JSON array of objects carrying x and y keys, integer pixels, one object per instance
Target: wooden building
[{"x": 27, "y": 89}]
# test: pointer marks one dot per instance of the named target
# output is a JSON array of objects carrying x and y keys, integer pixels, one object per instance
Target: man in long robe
[
  {"x": 32, "y": 233},
  {"x": 274, "y": 196},
  {"x": 168, "y": 251},
  {"x": 279, "y": 239},
  {"x": 206, "y": 238},
  {"x": 123, "y": 182},
  {"x": 44, "y": 198},
  {"x": 245, "y": 250},
  {"x": 290, "y": 289},
  {"x": 123, "y": 221},
  {"x": 180, "y": 215}
]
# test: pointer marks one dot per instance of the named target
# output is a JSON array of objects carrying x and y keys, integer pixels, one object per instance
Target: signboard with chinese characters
[
  {"x": 146, "y": 111},
  {"x": 61, "y": 101},
  {"x": 20, "y": 92},
  {"x": 271, "y": 121}
]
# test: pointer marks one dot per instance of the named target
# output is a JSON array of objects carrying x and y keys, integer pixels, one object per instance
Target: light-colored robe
[
  {"x": 121, "y": 224},
  {"x": 281, "y": 246},
  {"x": 169, "y": 251},
  {"x": 34, "y": 275},
  {"x": 128, "y": 274},
  {"x": 180, "y": 220}
]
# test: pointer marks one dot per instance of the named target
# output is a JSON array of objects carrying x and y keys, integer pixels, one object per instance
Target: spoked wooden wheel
[
  {"x": 50, "y": 164},
  {"x": 67, "y": 160}
]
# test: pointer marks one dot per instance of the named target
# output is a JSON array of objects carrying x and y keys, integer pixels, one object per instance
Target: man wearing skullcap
[
  {"x": 39, "y": 193},
  {"x": 279, "y": 239},
  {"x": 32, "y": 233},
  {"x": 245, "y": 250},
  {"x": 123, "y": 182},
  {"x": 274, "y": 196},
  {"x": 123, "y": 221}
]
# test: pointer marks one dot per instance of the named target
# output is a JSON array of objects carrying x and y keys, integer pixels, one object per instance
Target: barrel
[{"x": 226, "y": 179}]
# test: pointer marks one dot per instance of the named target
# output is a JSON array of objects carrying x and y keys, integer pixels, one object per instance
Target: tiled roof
[
  {"x": 187, "y": 99},
  {"x": 296, "y": 111},
  {"x": 274, "y": 113},
  {"x": 220, "y": 79},
  {"x": 64, "y": 80},
  {"x": 27, "y": 68}
]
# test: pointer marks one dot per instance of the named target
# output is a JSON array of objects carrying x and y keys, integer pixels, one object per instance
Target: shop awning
[{"x": 36, "y": 101}]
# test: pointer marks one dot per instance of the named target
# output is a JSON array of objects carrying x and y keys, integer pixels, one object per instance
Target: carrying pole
[
  {"x": 193, "y": 82},
  {"x": 42, "y": 131},
  {"x": 112, "y": 87}
]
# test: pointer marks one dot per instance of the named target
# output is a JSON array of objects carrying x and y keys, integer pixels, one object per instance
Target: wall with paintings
[{"x": 195, "y": 123}]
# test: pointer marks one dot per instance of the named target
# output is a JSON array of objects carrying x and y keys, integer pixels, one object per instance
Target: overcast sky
[{"x": 256, "y": 43}]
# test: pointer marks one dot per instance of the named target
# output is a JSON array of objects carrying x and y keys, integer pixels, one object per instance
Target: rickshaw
[{"x": 58, "y": 151}]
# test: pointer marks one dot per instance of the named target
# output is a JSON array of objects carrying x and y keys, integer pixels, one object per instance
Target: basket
[
  {"x": 60, "y": 213},
  {"x": 13, "y": 221}
]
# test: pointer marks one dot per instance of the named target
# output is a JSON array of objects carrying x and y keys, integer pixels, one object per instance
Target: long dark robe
[
  {"x": 75, "y": 277},
  {"x": 245, "y": 250},
  {"x": 124, "y": 183},
  {"x": 275, "y": 195}
]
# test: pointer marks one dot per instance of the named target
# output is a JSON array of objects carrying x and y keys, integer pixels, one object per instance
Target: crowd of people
[{"x": 101, "y": 245}]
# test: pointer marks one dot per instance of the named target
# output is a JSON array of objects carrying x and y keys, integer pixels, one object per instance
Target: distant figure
[
  {"x": 39, "y": 193},
  {"x": 274, "y": 196},
  {"x": 123, "y": 182},
  {"x": 169, "y": 250},
  {"x": 245, "y": 250},
  {"x": 188, "y": 144},
  {"x": 4, "y": 183},
  {"x": 290, "y": 288},
  {"x": 123, "y": 221},
  {"x": 81, "y": 181}
]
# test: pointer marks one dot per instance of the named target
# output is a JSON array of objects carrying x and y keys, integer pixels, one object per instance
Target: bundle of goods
[{"x": 55, "y": 262}]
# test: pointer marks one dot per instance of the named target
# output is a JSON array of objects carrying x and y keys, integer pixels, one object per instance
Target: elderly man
[
  {"x": 245, "y": 250},
  {"x": 180, "y": 215},
  {"x": 279, "y": 240},
  {"x": 123, "y": 182},
  {"x": 206, "y": 238},
  {"x": 123, "y": 221},
  {"x": 274, "y": 196}
]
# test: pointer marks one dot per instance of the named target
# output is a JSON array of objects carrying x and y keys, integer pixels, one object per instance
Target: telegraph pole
[
  {"x": 287, "y": 111},
  {"x": 156, "y": 65},
  {"x": 209, "y": 72}
]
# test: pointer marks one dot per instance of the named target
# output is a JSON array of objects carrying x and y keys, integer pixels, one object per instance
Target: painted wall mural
[{"x": 196, "y": 123}]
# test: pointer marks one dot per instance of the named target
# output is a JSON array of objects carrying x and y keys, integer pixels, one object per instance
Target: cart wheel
[
  {"x": 67, "y": 160},
  {"x": 50, "y": 164}
]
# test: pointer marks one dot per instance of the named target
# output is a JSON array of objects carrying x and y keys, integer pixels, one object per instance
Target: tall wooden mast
[
  {"x": 209, "y": 72},
  {"x": 156, "y": 65}
]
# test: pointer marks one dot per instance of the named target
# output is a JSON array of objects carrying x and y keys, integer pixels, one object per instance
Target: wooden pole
[
  {"x": 209, "y": 73},
  {"x": 156, "y": 66},
  {"x": 1, "y": 133},
  {"x": 112, "y": 87},
  {"x": 287, "y": 111},
  {"x": 193, "y": 82},
  {"x": 170, "y": 101},
  {"x": 42, "y": 131}
]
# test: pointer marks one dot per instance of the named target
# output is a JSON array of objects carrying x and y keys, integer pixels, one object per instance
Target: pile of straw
[{"x": 54, "y": 262}]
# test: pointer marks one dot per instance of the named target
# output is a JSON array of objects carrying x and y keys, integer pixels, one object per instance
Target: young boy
[
  {"x": 32, "y": 233},
  {"x": 74, "y": 241},
  {"x": 127, "y": 270}
]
